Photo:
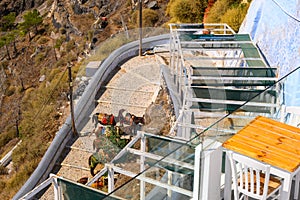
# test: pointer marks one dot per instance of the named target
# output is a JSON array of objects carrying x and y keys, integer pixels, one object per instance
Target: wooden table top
[{"x": 269, "y": 141}]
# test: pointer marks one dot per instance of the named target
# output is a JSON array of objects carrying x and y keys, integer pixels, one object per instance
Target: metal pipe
[
  {"x": 140, "y": 26},
  {"x": 71, "y": 99}
]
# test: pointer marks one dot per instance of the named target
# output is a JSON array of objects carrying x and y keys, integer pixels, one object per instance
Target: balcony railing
[{"x": 217, "y": 97}]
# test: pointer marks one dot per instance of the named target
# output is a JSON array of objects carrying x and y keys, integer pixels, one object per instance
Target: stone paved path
[{"x": 133, "y": 88}]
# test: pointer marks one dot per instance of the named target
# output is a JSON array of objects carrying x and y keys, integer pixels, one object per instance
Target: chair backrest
[
  {"x": 248, "y": 175},
  {"x": 290, "y": 115}
]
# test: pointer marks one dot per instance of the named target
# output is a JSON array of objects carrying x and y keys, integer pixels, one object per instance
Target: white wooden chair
[
  {"x": 252, "y": 178},
  {"x": 291, "y": 115},
  {"x": 297, "y": 183}
]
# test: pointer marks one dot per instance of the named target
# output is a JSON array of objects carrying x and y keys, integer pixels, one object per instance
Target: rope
[{"x": 286, "y": 12}]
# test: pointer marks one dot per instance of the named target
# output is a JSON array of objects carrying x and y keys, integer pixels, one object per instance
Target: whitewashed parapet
[{"x": 84, "y": 108}]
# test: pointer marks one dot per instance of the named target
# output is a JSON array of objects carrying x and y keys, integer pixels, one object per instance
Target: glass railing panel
[
  {"x": 268, "y": 103},
  {"x": 160, "y": 173},
  {"x": 180, "y": 157},
  {"x": 163, "y": 147},
  {"x": 132, "y": 188},
  {"x": 75, "y": 191},
  {"x": 139, "y": 189},
  {"x": 129, "y": 162},
  {"x": 160, "y": 146}
]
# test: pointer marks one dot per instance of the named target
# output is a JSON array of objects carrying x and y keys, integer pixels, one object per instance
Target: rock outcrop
[{"x": 17, "y": 6}]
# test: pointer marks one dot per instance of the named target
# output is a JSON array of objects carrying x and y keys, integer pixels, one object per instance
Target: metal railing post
[{"x": 142, "y": 167}]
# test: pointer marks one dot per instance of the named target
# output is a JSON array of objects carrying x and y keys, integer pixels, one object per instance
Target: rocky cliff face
[{"x": 17, "y": 6}]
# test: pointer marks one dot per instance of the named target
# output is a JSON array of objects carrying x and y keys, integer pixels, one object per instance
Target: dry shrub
[
  {"x": 39, "y": 58},
  {"x": 83, "y": 22},
  {"x": 3, "y": 170},
  {"x": 231, "y": 12},
  {"x": 107, "y": 47},
  {"x": 235, "y": 16},
  {"x": 43, "y": 40},
  {"x": 150, "y": 17},
  {"x": 70, "y": 45},
  {"x": 10, "y": 90},
  {"x": 186, "y": 11}
]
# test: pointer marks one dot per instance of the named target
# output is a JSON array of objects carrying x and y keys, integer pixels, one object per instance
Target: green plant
[
  {"x": 31, "y": 19},
  {"x": 168, "y": 9},
  {"x": 235, "y": 16},
  {"x": 217, "y": 10},
  {"x": 5, "y": 40},
  {"x": 231, "y": 12},
  {"x": 186, "y": 11},
  {"x": 7, "y": 22}
]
